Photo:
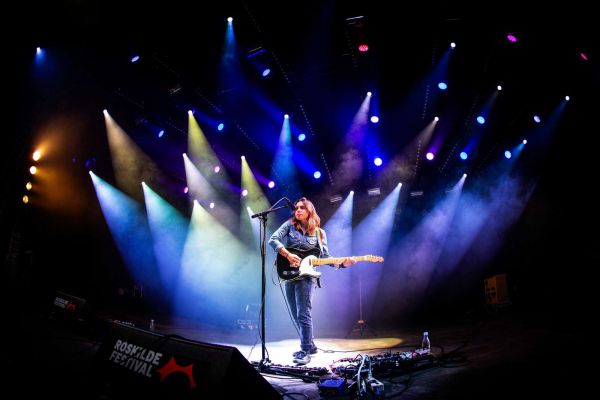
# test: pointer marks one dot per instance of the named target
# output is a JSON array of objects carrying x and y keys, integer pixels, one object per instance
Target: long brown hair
[{"x": 313, "y": 220}]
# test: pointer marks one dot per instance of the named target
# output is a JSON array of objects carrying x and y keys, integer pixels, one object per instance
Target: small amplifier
[{"x": 69, "y": 307}]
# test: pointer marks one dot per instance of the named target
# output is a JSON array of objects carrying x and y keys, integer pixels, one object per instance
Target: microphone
[{"x": 290, "y": 204}]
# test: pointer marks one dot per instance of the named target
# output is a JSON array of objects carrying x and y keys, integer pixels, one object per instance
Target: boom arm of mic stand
[{"x": 270, "y": 210}]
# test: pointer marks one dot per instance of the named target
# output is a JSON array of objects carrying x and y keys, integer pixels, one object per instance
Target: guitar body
[{"x": 306, "y": 269}]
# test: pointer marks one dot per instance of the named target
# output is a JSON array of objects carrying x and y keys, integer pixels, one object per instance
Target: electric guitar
[{"x": 309, "y": 263}]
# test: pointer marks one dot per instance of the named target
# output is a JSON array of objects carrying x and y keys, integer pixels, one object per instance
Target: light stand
[
  {"x": 360, "y": 326},
  {"x": 264, "y": 362}
]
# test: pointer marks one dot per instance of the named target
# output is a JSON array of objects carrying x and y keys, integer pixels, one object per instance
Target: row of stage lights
[
  {"x": 377, "y": 161},
  {"x": 33, "y": 170}
]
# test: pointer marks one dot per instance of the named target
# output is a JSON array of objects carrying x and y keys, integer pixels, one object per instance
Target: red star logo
[{"x": 171, "y": 367}]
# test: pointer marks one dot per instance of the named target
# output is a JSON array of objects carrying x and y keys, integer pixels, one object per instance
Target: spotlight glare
[
  {"x": 217, "y": 169},
  {"x": 524, "y": 141},
  {"x": 436, "y": 119},
  {"x": 363, "y": 48},
  {"x": 511, "y": 38},
  {"x": 463, "y": 155},
  {"x": 33, "y": 170},
  {"x": 135, "y": 58},
  {"x": 245, "y": 192},
  {"x": 161, "y": 133},
  {"x": 374, "y": 119},
  {"x": 442, "y": 86},
  {"x": 481, "y": 120},
  {"x": 230, "y": 19},
  {"x": 301, "y": 137},
  {"x": 317, "y": 174},
  {"x": 25, "y": 199},
  {"x": 377, "y": 161},
  {"x": 28, "y": 186},
  {"x": 271, "y": 184},
  {"x": 507, "y": 154},
  {"x": 211, "y": 205},
  {"x": 186, "y": 190},
  {"x": 286, "y": 116},
  {"x": 453, "y": 45},
  {"x": 537, "y": 119},
  {"x": 36, "y": 155},
  {"x": 499, "y": 87},
  {"x": 583, "y": 55},
  {"x": 220, "y": 127},
  {"x": 430, "y": 156},
  {"x": 369, "y": 94},
  {"x": 266, "y": 72},
  {"x": 567, "y": 98}
]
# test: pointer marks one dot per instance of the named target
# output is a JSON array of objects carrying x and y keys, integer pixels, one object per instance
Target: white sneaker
[{"x": 301, "y": 357}]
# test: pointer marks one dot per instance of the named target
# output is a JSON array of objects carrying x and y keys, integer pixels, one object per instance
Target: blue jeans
[{"x": 299, "y": 296}]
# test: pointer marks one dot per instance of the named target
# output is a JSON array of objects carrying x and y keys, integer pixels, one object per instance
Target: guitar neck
[{"x": 338, "y": 260}]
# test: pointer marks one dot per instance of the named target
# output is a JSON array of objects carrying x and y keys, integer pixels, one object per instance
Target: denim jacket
[{"x": 288, "y": 236}]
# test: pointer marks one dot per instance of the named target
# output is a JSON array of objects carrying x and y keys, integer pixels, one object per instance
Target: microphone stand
[{"x": 262, "y": 216}]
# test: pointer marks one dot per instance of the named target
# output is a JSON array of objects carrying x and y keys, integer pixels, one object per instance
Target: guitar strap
[{"x": 320, "y": 240}]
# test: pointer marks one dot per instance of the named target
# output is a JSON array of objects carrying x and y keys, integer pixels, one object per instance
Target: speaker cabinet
[{"x": 135, "y": 363}]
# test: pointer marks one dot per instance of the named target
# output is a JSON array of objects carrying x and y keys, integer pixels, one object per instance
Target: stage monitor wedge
[{"x": 135, "y": 363}]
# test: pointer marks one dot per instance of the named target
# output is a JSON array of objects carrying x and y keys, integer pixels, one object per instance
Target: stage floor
[{"x": 495, "y": 356}]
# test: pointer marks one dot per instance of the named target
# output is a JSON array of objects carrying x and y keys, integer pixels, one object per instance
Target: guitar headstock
[{"x": 374, "y": 258}]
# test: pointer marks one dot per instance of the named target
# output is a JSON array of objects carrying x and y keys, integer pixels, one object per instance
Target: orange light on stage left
[
  {"x": 33, "y": 170},
  {"x": 37, "y": 155}
]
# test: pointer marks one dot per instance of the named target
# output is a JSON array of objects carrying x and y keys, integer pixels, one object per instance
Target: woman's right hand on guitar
[{"x": 294, "y": 260}]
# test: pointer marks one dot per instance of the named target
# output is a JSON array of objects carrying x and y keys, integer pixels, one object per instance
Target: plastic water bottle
[{"x": 425, "y": 343}]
